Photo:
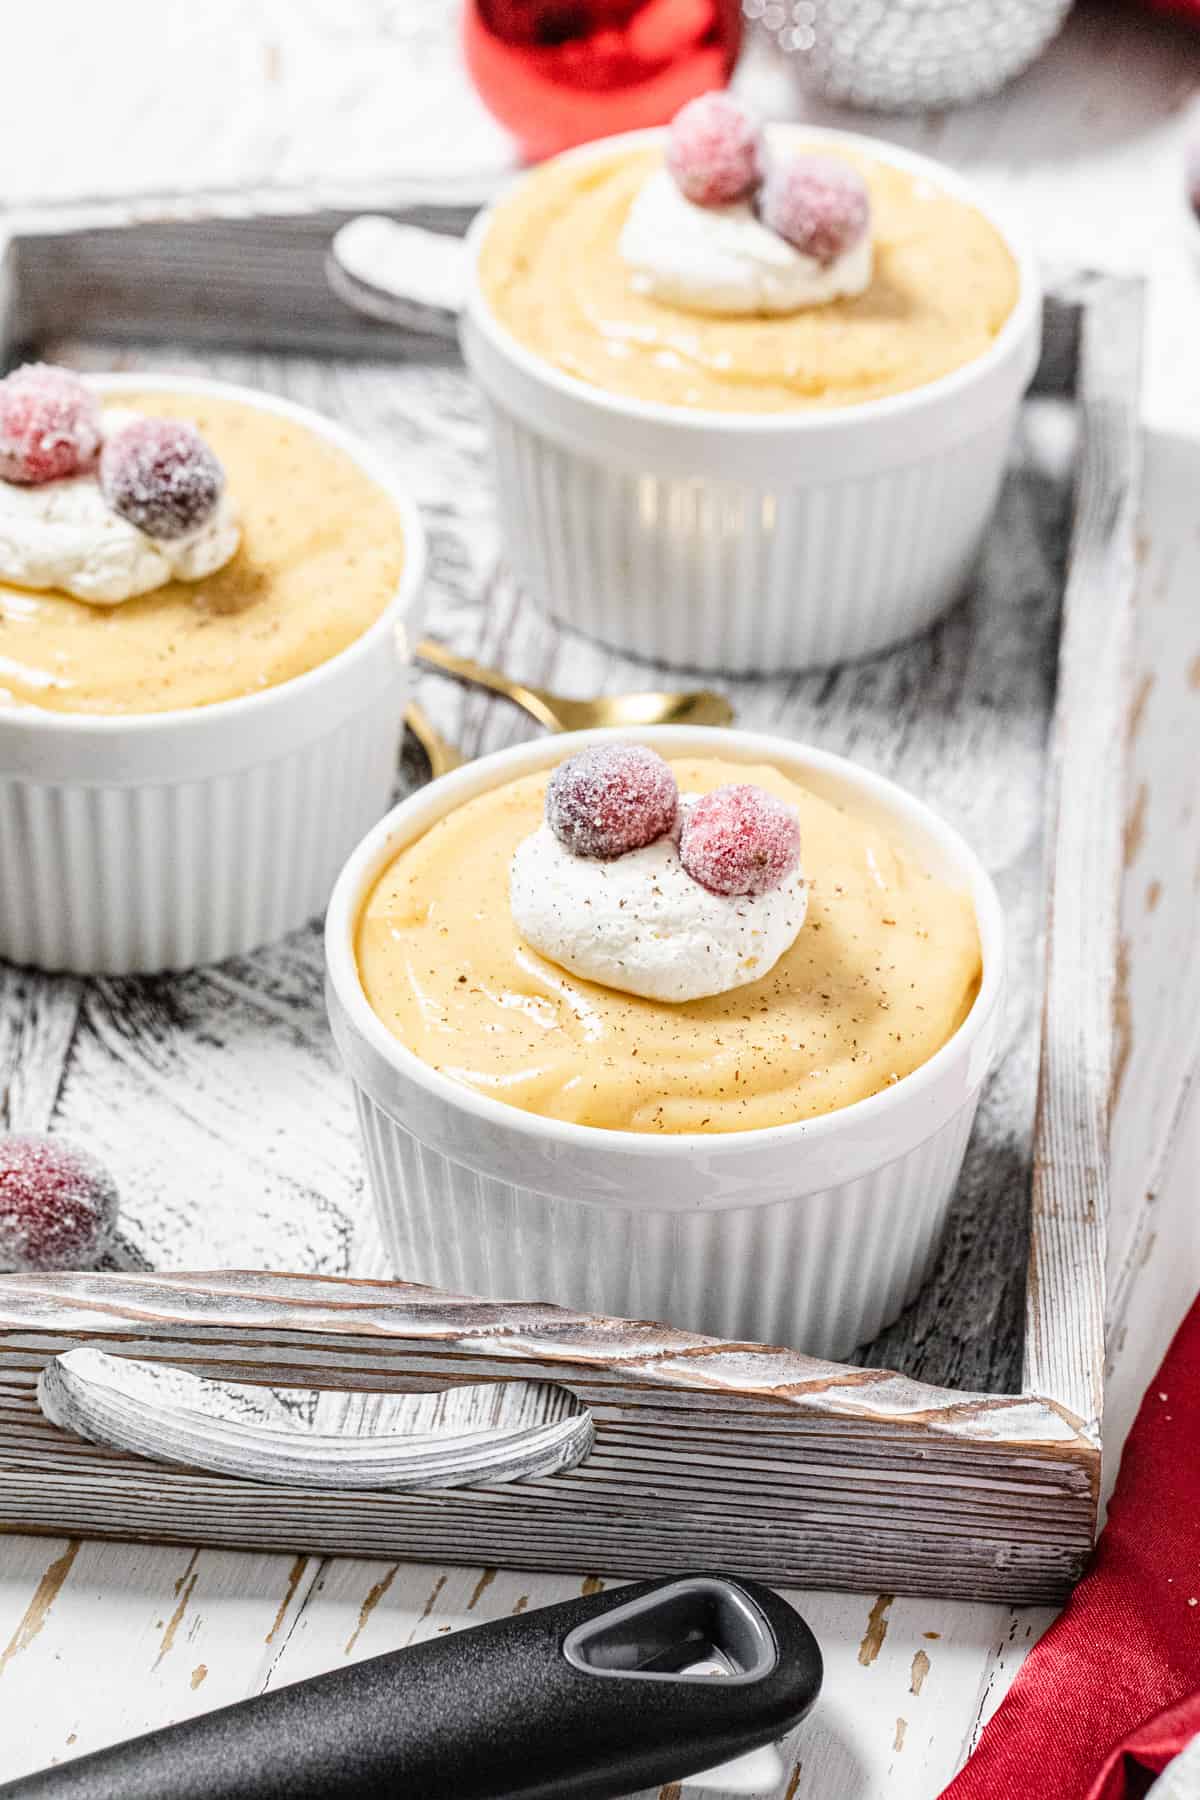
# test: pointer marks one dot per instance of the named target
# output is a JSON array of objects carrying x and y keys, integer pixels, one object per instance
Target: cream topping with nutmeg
[
  {"x": 884, "y": 970},
  {"x": 642, "y": 924},
  {"x": 724, "y": 260},
  {"x": 671, "y": 897},
  {"x": 63, "y": 534},
  {"x": 321, "y": 554},
  {"x": 943, "y": 283}
]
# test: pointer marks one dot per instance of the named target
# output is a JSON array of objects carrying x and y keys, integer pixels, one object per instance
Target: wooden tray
[{"x": 976, "y": 1470}]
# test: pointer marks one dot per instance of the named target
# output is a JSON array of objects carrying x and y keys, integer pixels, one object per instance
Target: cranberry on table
[
  {"x": 740, "y": 840},
  {"x": 714, "y": 151},
  {"x": 160, "y": 475},
  {"x": 819, "y": 204},
  {"x": 609, "y": 800},
  {"x": 49, "y": 425},
  {"x": 58, "y": 1204}
]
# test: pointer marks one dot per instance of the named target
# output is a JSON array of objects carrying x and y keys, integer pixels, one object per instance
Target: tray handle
[
  {"x": 401, "y": 274},
  {"x": 455, "y": 1437}
]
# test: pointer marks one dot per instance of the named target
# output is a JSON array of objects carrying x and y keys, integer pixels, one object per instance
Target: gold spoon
[
  {"x": 699, "y": 706},
  {"x": 440, "y": 752}
]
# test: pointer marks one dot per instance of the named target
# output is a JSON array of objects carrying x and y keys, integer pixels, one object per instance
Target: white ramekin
[
  {"x": 814, "y": 1234},
  {"x": 163, "y": 840},
  {"x": 733, "y": 542}
]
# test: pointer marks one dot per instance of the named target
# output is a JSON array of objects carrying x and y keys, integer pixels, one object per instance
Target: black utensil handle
[{"x": 545, "y": 1706}]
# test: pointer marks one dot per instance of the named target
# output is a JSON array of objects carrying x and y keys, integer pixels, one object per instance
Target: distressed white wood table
[{"x": 99, "y": 1641}]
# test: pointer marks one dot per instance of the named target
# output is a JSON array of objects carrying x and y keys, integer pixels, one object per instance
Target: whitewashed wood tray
[{"x": 975, "y": 1469}]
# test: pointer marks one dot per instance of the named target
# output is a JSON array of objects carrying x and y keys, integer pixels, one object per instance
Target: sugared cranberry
[
  {"x": 739, "y": 840},
  {"x": 611, "y": 799},
  {"x": 58, "y": 1205},
  {"x": 714, "y": 151},
  {"x": 820, "y": 205},
  {"x": 49, "y": 425},
  {"x": 161, "y": 476}
]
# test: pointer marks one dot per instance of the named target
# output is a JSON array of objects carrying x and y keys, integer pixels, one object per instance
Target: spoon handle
[
  {"x": 442, "y": 754},
  {"x": 402, "y": 274},
  {"x": 463, "y": 668}
]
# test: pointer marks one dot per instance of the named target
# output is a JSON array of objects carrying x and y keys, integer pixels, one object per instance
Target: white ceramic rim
[
  {"x": 440, "y": 797},
  {"x": 809, "y": 421},
  {"x": 221, "y": 714}
]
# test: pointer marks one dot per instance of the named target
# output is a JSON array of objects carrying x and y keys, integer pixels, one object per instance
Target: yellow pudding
[
  {"x": 321, "y": 554},
  {"x": 944, "y": 283},
  {"x": 884, "y": 970}
]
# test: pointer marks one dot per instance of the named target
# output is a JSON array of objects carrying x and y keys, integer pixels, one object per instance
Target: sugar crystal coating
[
  {"x": 611, "y": 799},
  {"x": 818, "y": 203},
  {"x": 714, "y": 151},
  {"x": 49, "y": 425},
  {"x": 739, "y": 840},
  {"x": 161, "y": 476},
  {"x": 58, "y": 1204}
]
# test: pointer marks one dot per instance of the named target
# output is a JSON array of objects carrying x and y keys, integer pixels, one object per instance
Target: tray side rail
[
  {"x": 1065, "y": 1295},
  {"x": 762, "y": 1460}
]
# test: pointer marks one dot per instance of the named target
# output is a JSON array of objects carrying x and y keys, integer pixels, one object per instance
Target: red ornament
[{"x": 562, "y": 72}]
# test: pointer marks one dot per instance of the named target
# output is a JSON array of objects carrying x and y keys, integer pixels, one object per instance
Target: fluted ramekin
[
  {"x": 737, "y": 542},
  {"x": 814, "y": 1234},
  {"x": 159, "y": 841}
]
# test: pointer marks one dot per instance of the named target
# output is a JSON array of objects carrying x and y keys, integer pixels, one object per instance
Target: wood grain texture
[
  {"x": 256, "y": 1621},
  {"x": 853, "y": 1470},
  {"x": 263, "y": 253},
  {"x": 1085, "y": 148},
  {"x": 962, "y": 716},
  {"x": 463, "y": 1436},
  {"x": 1157, "y": 1049},
  {"x": 263, "y": 1169},
  {"x": 10, "y": 327},
  {"x": 1064, "y": 1344}
]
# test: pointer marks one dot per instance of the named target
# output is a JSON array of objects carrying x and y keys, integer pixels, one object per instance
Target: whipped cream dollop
[
  {"x": 642, "y": 924},
  {"x": 724, "y": 260},
  {"x": 63, "y": 534}
]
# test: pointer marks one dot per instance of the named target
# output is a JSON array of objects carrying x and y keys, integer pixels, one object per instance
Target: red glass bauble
[{"x": 561, "y": 72}]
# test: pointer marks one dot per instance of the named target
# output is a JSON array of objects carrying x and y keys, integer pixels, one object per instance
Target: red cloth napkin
[
  {"x": 1177, "y": 9},
  {"x": 1113, "y": 1689},
  {"x": 1134, "y": 1765}
]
